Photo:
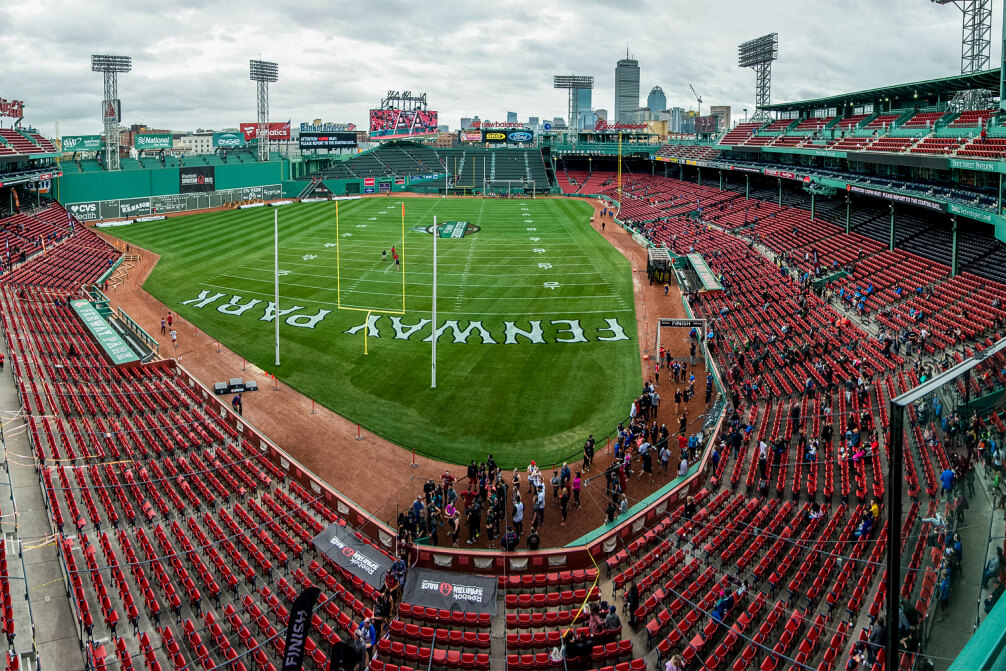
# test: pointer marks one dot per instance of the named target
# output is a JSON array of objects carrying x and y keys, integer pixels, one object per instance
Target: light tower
[
  {"x": 263, "y": 72},
  {"x": 976, "y": 49},
  {"x": 575, "y": 84},
  {"x": 759, "y": 54},
  {"x": 111, "y": 109}
]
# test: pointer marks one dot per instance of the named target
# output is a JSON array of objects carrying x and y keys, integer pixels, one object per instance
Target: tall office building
[
  {"x": 656, "y": 101},
  {"x": 626, "y": 88},
  {"x": 583, "y": 101},
  {"x": 511, "y": 117}
]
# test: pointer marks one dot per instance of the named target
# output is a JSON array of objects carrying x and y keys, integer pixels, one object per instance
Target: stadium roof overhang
[{"x": 928, "y": 90}]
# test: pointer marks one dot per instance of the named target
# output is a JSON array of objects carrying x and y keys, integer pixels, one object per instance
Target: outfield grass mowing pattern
[{"x": 536, "y": 271}]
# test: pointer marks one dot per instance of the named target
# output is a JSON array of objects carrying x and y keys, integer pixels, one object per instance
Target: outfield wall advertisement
[
  {"x": 152, "y": 141},
  {"x": 82, "y": 142},
  {"x": 124, "y": 208},
  {"x": 196, "y": 179}
]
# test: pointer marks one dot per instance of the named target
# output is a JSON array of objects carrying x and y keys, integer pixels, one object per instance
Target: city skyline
[{"x": 190, "y": 66}]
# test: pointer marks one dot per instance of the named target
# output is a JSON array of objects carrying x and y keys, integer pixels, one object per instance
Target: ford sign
[{"x": 519, "y": 136}]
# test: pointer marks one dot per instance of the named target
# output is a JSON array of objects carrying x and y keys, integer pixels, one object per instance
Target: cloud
[{"x": 190, "y": 59}]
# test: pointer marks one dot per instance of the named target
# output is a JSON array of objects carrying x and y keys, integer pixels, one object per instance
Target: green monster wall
[{"x": 92, "y": 186}]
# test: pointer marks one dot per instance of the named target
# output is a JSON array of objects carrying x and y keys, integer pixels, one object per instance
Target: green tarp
[{"x": 115, "y": 347}]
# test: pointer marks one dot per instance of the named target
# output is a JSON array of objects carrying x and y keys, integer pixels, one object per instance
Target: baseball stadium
[{"x": 528, "y": 397}]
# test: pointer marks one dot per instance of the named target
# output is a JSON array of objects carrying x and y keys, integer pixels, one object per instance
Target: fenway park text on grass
[{"x": 534, "y": 331}]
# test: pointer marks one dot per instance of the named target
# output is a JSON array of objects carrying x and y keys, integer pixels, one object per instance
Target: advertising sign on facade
[
  {"x": 277, "y": 130},
  {"x": 229, "y": 140},
  {"x": 82, "y": 142},
  {"x": 159, "y": 141},
  {"x": 12, "y": 108},
  {"x": 519, "y": 136},
  {"x": 494, "y": 136}
]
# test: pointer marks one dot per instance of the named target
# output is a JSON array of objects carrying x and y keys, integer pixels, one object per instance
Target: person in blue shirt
[{"x": 947, "y": 481}]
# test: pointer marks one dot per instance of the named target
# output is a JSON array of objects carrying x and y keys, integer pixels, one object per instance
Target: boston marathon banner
[
  {"x": 345, "y": 549},
  {"x": 460, "y": 592}
]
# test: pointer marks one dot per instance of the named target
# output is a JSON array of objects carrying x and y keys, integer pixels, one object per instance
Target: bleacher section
[{"x": 739, "y": 133}]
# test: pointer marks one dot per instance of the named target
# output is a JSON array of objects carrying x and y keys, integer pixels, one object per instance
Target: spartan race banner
[
  {"x": 460, "y": 592},
  {"x": 345, "y": 549},
  {"x": 197, "y": 179},
  {"x": 298, "y": 628}
]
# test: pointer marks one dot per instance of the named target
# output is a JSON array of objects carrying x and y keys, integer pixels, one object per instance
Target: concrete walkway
[{"x": 44, "y": 627}]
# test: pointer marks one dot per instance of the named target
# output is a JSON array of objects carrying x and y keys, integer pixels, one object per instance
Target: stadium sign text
[
  {"x": 897, "y": 197},
  {"x": 237, "y": 306},
  {"x": 327, "y": 127},
  {"x": 496, "y": 124},
  {"x": 537, "y": 332},
  {"x": 971, "y": 164},
  {"x": 12, "y": 108},
  {"x": 604, "y": 126},
  {"x": 82, "y": 142}
]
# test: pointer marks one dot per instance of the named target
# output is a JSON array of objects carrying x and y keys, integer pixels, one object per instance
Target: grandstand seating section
[
  {"x": 971, "y": 118},
  {"x": 739, "y": 133},
  {"x": 882, "y": 121},
  {"x": 18, "y": 142},
  {"x": 813, "y": 124},
  {"x": 923, "y": 120},
  {"x": 204, "y": 544}
]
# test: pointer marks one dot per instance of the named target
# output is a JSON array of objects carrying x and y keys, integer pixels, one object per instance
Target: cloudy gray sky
[{"x": 190, "y": 59}]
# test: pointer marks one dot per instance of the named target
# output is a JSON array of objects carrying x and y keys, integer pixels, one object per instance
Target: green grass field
[{"x": 550, "y": 358}]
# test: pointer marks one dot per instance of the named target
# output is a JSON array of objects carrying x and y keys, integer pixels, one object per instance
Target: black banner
[
  {"x": 328, "y": 140},
  {"x": 494, "y": 136},
  {"x": 459, "y": 592},
  {"x": 364, "y": 561},
  {"x": 297, "y": 630},
  {"x": 196, "y": 179}
]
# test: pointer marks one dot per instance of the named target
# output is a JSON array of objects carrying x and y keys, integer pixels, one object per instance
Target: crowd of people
[{"x": 508, "y": 509}]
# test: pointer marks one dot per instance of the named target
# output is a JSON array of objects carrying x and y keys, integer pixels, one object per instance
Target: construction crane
[{"x": 697, "y": 97}]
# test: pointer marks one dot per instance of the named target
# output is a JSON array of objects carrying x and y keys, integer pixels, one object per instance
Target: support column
[
  {"x": 953, "y": 247},
  {"x": 999, "y": 202},
  {"x": 721, "y": 180},
  {"x": 891, "y": 245},
  {"x": 698, "y": 171},
  {"x": 780, "y": 191},
  {"x": 681, "y": 172},
  {"x": 848, "y": 213},
  {"x": 894, "y": 489},
  {"x": 653, "y": 168},
  {"x": 812, "y": 205},
  {"x": 590, "y": 166},
  {"x": 747, "y": 187}
]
